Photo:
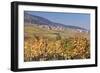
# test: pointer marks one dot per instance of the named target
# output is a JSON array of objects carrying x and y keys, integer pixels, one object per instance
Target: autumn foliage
[{"x": 44, "y": 49}]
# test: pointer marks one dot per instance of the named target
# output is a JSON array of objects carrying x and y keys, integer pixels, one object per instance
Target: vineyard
[
  {"x": 46, "y": 39},
  {"x": 40, "y": 48}
]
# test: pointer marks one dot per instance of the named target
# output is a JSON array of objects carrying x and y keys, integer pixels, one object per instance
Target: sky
[{"x": 74, "y": 19}]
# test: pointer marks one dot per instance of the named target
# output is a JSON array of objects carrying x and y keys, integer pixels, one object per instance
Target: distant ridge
[{"x": 45, "y": 23}]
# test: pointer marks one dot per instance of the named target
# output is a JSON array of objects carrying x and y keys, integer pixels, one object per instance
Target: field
[{"x": 42, "y": 44}]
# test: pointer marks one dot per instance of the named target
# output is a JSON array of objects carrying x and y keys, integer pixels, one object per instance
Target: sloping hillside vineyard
[{"x": 45, "y": 40}]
